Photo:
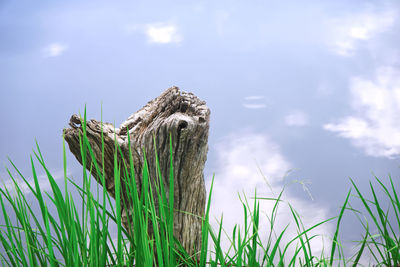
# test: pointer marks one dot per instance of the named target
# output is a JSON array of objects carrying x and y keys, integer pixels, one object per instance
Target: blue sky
[{"x": 312, "y": 87}]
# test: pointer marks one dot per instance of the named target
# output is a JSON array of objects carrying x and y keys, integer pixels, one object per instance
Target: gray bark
[{"x": 186, "y": 118}]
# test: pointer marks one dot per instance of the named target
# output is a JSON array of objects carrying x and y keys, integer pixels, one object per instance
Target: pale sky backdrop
[{"x": 307, "y": 86}]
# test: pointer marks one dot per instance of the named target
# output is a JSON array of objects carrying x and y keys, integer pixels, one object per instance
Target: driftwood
[{"x": 186, "y": 118}]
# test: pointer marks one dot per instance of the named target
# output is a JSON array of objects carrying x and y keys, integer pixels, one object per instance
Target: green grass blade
[
  {"x": 335, "y": 237},
  {"x": 205, "y": 228},
  {"x": 360, "y": 252}
]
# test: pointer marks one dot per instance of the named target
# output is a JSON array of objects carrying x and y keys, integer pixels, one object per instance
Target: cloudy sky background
[{"x": 312, "y": 88}]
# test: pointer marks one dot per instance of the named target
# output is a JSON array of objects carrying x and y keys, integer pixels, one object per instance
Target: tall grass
[{"x": 78, "y": 233}]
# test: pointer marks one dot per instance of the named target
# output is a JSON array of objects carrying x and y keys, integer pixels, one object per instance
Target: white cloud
[
  {"x": 374, "y": 126},
  {"x": 348, "y": 32},
  {"x": 55, "y": 49},
  {"x": 163, "y": 33},
  {"x": 324, "y": 90},
  {"x": 254, "y": 102},
  {"x": 254, "y": 106},
  {"x": 221, "y": 20},
  {"x": 254, "y": 97},
  {"x": 296, "y": 118},
  {"x": 199, "y": 7},
  {"x": 43, "y": 180},
  {"x": 239, "y": 157}
]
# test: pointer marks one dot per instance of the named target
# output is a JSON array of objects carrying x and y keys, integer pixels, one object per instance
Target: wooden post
[{"x": 186, "y": 118}]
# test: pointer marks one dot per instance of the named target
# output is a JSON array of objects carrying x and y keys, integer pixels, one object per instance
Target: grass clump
[{"x": 76, "y": 232}]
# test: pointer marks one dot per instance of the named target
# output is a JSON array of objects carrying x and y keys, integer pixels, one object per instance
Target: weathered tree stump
[{"x": 186, "y": 118}]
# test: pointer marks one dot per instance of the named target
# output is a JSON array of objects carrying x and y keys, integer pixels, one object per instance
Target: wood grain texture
[{"x": 186, "y": 118}]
